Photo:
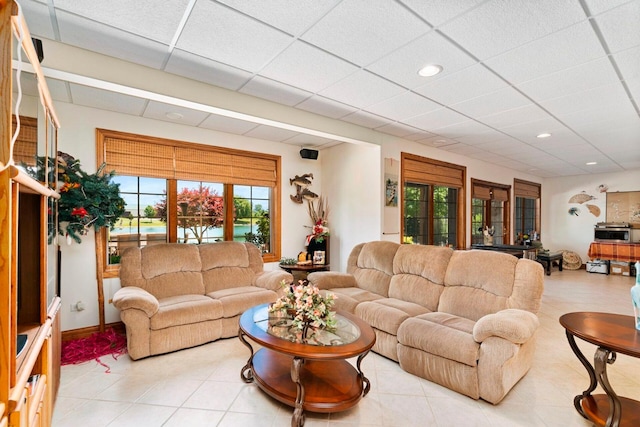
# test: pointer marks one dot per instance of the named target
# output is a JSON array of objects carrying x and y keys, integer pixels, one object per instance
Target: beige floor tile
[
  {"x": 138, "y": 415},
  {"x": 170, "y": 392},
  {"x": 194, "y": 418}
]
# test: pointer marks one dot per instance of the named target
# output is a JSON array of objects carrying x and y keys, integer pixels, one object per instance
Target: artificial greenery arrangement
[{"x": 86, "y": 200}]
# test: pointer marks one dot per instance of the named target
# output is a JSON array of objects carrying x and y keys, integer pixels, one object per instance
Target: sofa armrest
[
  {"x": 137, "y": 298},
  {"x": 332, "y": 279},
  {"x": 512, "y": 324},
  {"x": 272, "y": 280}
]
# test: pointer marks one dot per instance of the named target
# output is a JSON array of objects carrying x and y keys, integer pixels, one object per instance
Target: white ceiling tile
[
  {"x": 28, "y": 84},
  {"x": 602, "y": 96},
  {"x": 397, "y": 129},
  {"x": 598, "y": 6},
  {"x": 59, "y": 90},
  {"x": 634, "y": 88},
  {"x": 628, "y": 61},
  {"x": 418, "y": 136},
  {"x": 292, "y": 17},
  {"x": 501, "y": 25},
  {"x": 402, "y": 65},
  {"x": 368, "y": 120},
  {"x": 270, "y": 133},
  {"x": 38, "y": 19},
  {"x": 437, "y": 12},
  {"x": 158, "y": 110},
  {"x": 227, "y": 124},
  {"x": 492, "y": 103},
  {"x": 362, "y": 89},
  {"x": 527, "y": 113},
  {"x": 307, "y": 67},
  {"x": 469, "y": 83},
  {"x": 528, "y": 131},
  {"x": 619, "y": 26},
  {"x": 230, "y": 37},
  {"x": 482, "y": 137},
  {"x": 326, "y": 107},
  {"x": 361, "y": 27},
  {"x": 461, "y": 129},
  {"x": 464, "y": 150},
  {"x": 436, "y": 119},
  {"x": 564, "y": 49},
  {"x": 205, "y": 70},
  {"x": 571, "y": 80},
  {"x": 106, "y": 100},
  {"x": 275, "y": 91},
  {"x": 151, "y": 19},
  {"x": 403, "y": 106},
  {"x": 110, "y": 41},
  {"x": 438, "y": 141}
]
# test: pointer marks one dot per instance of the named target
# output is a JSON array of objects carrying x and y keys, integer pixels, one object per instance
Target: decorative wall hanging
[
  {"x": 581, "y": 198},
  {"x": 390, "y": 183},
  {"x": 602, "y": 188},
  {"x": 574, "y": 211},
  {"x": 624, "y": 206},
  {"x": 594, "y": 210},
  {"x": 302, "y": 192}
]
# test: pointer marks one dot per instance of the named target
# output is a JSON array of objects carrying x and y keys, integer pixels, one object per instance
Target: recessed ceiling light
[
  {"x": 174, "y": 116},
  {"x": 439, "y": 142},
  {"x": 430, "y": 70},
  {"x": 591, "y": 163},
  {"x": 543, "y": 135}
]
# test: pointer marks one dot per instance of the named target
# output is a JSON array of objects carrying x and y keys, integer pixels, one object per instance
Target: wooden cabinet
[{"x": 29, "y": 305}]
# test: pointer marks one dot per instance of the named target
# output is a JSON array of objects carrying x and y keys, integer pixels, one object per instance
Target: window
[
  {"x": 489, "y": 208},
  {"x": 432, "y": 202},
  {"x": 527, "y": 209},
  {"x": 190, "y": 193}
]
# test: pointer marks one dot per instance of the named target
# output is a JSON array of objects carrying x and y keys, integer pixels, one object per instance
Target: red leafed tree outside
[{"x": 198, "y": 210}]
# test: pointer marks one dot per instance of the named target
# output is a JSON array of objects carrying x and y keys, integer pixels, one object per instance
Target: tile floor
[{"x": 202, "y": 387}]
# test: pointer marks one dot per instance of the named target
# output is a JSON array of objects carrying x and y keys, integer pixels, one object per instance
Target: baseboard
[{"x": 75, "y": 334}]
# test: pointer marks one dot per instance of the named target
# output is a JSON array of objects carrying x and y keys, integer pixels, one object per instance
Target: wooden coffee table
[
  {"x": 612, "y": 333},
  {"x": 311, "y": 374}
]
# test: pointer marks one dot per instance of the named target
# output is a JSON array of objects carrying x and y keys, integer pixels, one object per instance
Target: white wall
[
  {"x": 77, "y": 137},
  {"x": 575, "y": 233}
]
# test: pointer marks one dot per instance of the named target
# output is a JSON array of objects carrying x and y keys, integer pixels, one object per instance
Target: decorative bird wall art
[{"x": 302, "y": 182}]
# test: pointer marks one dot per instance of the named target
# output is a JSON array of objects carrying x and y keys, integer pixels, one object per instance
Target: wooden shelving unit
[{"x": 28, "y": 303}]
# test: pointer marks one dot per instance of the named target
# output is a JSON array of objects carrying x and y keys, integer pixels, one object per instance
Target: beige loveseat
[
  {"x": 463, "y": 319},
  {"x": 175, "y": 296}
]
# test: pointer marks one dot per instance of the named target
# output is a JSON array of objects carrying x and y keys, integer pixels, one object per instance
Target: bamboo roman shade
[
  {"x": 142, "y": 156},
  {"x": 26, "y": 146},
  {"x": 486, "y": 191},
  {"x": 529, "y": 190},
  {"x": 423, "y": 170}
]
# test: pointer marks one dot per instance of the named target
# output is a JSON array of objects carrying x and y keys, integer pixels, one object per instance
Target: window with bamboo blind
[
  {"x": 26, "y": 146},
  {"x": 490, "y": 207},
  {"x": 433, "y": 201},
  {"x": 528, "y": 196},
  {"x": 161, "y": 178}
]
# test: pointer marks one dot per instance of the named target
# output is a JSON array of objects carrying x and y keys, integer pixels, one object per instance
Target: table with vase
[{"x": 309, "y": 373}]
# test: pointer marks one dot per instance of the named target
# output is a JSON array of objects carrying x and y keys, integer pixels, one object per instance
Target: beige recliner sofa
[
  {"x": 176, "y": 296},
  {"x": 463, "y": 319}
]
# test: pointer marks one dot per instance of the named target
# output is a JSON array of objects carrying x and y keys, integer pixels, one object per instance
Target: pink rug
[{"x": 94, "y": 347}]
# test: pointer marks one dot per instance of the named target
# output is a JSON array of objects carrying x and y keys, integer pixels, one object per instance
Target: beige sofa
[
  {"x": 175, "y": 296},
  {"x": 463, "y": 319}
]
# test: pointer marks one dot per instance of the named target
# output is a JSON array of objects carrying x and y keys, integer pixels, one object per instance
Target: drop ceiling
[{"x": 512, "y": 69}]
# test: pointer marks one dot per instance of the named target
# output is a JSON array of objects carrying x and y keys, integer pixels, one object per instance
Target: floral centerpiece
[{"x": 306, "y": 305}]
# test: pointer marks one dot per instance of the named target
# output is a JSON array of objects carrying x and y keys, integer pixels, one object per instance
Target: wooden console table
[
  {"x": 612, "y": 333},
  {"x": 518, "y": 251},
  {"x": 629, "y": 252}
]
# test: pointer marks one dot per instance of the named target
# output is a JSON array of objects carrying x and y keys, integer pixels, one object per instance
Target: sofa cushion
[
  {"x": 443, "y": 335},
  {"x": 373, "y": 266},
  {"x": 348, "y": 298},
  {"x": 236, "y": 300},
  {"x": 227, "y": 265},
  {"x": 185, "y": 310},
  {"x": 387, "y": 314}
]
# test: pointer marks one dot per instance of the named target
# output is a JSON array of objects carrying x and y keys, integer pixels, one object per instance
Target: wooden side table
[
  {"x": 548, "y": 259},
  {"x": 300, "y": 272},
  {"x": 612, "y": 333}
]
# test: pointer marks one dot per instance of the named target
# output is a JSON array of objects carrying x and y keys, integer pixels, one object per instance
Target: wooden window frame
[
  {"x": 435, "y": 173},
  {"x": 486, "y": 190},
  {"x": 529, "y": 190},
  {"x": 110, "y": 271}
]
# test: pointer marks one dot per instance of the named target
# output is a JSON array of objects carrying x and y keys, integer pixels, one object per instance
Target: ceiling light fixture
[
  {"x": 174, "y": 116},
  {"x": 430, "y": 70},
  {"x": 591, "y": 163},
  {"x": 543, "y": 135}
]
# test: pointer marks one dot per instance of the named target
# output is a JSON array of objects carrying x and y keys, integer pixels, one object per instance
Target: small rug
[{"x": 94, "y": 347}]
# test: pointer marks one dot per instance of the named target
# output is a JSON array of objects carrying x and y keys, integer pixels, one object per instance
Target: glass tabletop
[{"x": 281, "y": 326}]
